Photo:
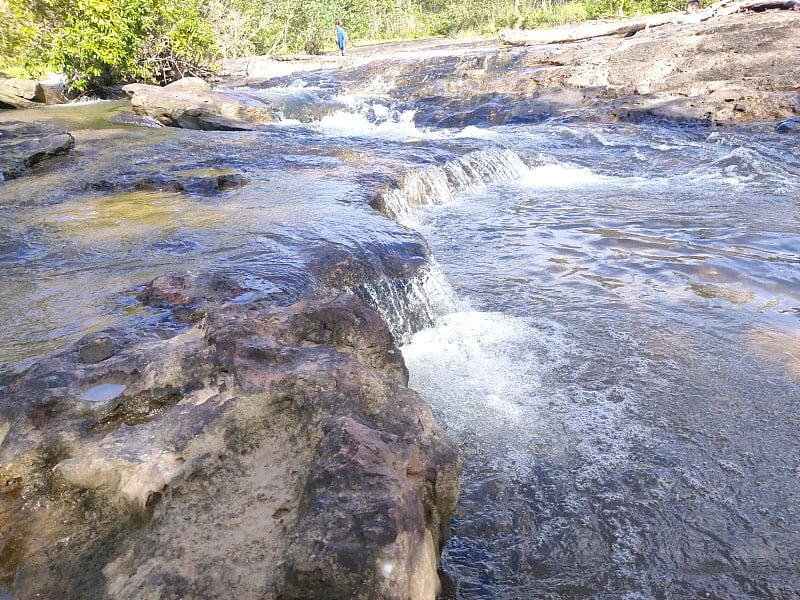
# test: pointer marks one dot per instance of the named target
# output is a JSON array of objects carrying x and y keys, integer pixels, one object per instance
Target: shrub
[{"x": 103, "y": 42}]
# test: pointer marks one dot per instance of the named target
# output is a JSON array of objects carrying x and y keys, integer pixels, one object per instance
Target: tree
[{"x": 103, "y": 42}]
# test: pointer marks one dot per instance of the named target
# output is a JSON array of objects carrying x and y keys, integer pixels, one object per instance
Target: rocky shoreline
[
  {"x": 734, "y": 68},
  {"x": 276, "y": 451},
  {"x": 266, "y": 452}
]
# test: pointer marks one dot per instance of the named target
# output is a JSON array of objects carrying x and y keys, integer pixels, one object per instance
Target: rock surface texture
[
  {"x": 262, "y": 453},
  {"x": 192, "y": 104},
  {"x": 737, "y": 67},
  {"x": 23, "y": 145},
  {"x": 274, "y": 451},
  {"x": 25, "y": 93}
]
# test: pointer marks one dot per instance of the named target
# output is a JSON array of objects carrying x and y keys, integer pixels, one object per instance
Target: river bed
[
  {"x": 617, "y": 314},
  {"x": 624, "y": 375}
]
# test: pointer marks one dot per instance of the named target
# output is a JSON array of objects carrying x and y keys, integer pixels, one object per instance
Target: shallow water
[
  {"x": 78, "y": 240},
  {"x": 617, "y": 347},
  {"x": 624, "y": 378}
]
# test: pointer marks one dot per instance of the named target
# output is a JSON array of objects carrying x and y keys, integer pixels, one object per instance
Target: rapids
[{"x": 607, "y": 326}]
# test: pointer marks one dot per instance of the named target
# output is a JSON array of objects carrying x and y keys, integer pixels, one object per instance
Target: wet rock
[
  {"x": 361, "y": 531},
  {"x": 265, "y": 452},
  {"x": 205, "y": 120},
  {"x": 191, "y": 103},
  {"x": 130, "y": 118},
  {"x": 190, "y": 290},
  {"x": 96, "y": 350},
  {"x": 788, "y": 126},
  {"x": 23, "y": 145},
  {"x": 208, "y": 185}
]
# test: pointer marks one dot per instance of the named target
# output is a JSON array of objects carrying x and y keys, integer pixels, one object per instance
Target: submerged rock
[
  {"x": 205, "y": 185},
  {"x": 263, "y": 452},
  {"x": 788, "y": 126}
]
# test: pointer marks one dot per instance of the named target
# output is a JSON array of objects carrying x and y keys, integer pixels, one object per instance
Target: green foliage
[
  {"x": 104, "y": 42},
  {"x": 17, "y": 29},
  {"x": 574, "y": 12},
  {"x": 96, "y": 42}
]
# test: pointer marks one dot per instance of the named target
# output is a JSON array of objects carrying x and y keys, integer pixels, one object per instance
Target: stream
[{"x": 608, "y": 326}]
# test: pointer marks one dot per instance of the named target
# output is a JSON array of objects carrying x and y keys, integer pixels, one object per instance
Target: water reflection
[
  {"x": 80, "y": 236},
  {"x": 632, "y": 433}
]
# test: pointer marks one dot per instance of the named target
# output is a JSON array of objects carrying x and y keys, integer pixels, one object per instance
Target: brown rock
[
  {"x": 362, "y": 530},
  {"x": 267, "y": 452},
  {"x": 192, "y": 104}
]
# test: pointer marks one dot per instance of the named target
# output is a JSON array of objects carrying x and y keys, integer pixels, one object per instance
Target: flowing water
[
  {"x": 616, "y": 348},
  {"x": 624, "y": 376}
]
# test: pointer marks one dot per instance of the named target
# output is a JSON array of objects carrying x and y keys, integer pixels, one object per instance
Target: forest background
[{"x": 99, "y": 43}]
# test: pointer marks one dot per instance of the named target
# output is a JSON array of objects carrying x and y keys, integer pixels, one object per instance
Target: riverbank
[{"x": 732, "y": 68}]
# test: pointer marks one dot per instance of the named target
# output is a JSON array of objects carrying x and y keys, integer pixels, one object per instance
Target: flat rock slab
[
  {"x": 733, "y": 68},
  {"x": 23, "y": 145}
]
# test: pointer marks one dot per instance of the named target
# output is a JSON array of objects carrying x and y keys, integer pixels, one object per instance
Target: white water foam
[
  {"x": 397, "y": 126},
  {"x": 408, "y": 306},
  {"x": 559, "y": 175},
  {"x": 472, "y": 131},
  {"x": 495, "y": 379},
  {"x": 440, "y": 184}
]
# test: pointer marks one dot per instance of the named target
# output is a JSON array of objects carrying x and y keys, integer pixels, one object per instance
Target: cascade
[
  {"x": 439, "y": 184},
  {"x": 409, "y": 305},
  {"x": 622, "y": 359}
]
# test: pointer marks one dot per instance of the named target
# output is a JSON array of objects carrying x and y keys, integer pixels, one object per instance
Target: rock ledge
[{"x": 264, "y": 452}]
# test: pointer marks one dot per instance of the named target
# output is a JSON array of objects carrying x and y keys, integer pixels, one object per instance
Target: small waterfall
[
  {"x": 439, "y": 184},
  {"x": 409, "y": 305}
]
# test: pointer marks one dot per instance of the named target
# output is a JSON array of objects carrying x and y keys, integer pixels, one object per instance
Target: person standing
[{"x": 341, "y": 37}]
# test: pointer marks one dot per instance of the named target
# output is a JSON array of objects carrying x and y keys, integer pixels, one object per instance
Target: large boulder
[
  {"x": 192, "y": 104},
  {"x": 263, "y": 452},
  {"x": 27, "y": 93},
  {"x": 19, "y": 93}
]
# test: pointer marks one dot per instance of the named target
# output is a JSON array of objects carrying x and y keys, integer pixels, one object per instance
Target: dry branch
[{"x": 571, "y": 33}]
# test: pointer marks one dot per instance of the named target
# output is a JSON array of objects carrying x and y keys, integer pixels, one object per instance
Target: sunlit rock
[
  {"x": 286, "y": 437},
  {"x": 192, "y": 104},
  {"x": 27, "y": 93}
]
